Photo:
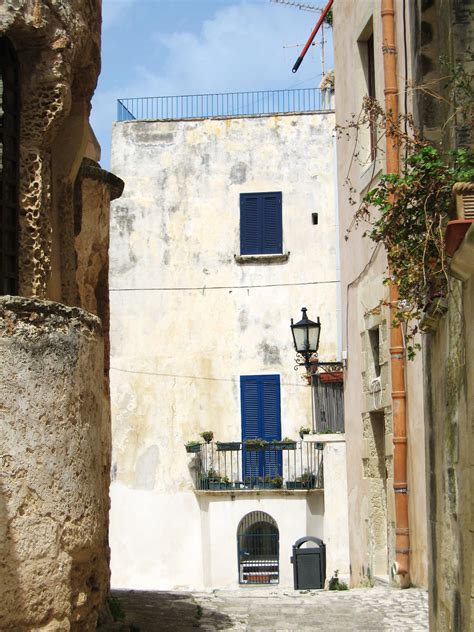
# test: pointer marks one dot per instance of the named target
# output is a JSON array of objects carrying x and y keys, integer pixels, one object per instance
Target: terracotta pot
[
  {"x": 455, "y": 231},
  {"x": 335, "y": 376}
]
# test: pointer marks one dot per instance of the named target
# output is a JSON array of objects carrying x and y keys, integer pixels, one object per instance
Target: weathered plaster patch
[
  {"x": 124, "y": 219},
  {"x": 146, "y": 468},
  {"x": 271, "y": 353},
  {"x": 238, "y": 173}
]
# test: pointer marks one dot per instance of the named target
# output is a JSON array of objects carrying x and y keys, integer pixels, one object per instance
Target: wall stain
[
  {"x": 271, "y": 353},
  {"x": 238, "y": 173},
  {"x": 124, "y": 219}
]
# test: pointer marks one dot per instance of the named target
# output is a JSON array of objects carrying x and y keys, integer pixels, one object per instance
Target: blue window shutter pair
[
  {"x": 261, "y": 223},
  {"x": 261, "y": 417}
]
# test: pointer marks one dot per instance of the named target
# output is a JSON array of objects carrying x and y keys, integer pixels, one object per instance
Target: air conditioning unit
[
  {"x": 463, "y": 198},
  {"x": 462, "y": 214}
]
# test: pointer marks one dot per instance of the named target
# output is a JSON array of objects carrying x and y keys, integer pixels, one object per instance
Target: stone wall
[
  {"x": 58, "y": 50},
  {"x": 445, "y": 37},
  {"x": 53, "y": 517},
  {"x": 366, "y": 318},
  {"x": 55, "y": 506}
]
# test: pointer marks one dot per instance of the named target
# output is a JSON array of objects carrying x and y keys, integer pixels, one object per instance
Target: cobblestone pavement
[{"x": 362, "y": 609}]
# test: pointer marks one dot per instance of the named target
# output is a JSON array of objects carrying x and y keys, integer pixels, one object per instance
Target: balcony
[
  {"x": 284, "y": 466},
  {"x": 228, "y": 104}
]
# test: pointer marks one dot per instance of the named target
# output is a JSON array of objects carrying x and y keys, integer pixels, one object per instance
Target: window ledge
[{"x": 276, "y": 258}]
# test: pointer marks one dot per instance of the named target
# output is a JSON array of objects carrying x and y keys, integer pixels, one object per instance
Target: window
[
  {"x": 260, "y": 223},
  {"x": 261, "y": 418},
  {"x": 371, "y": 94},
  {"x": 9, "y": 151},
  {"x": 328, "y": 405}
]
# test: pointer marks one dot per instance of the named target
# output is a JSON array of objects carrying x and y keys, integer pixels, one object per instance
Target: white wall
[{"x": 187, "y": 320}]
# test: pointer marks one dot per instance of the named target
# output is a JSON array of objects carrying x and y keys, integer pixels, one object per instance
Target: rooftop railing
[
  {"x": 289, "y": 465},
  {"x": 227, "y": 104}
]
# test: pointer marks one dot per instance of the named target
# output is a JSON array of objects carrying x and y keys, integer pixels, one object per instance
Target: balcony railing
[
  {"x": 240, "y": 466},
  {"x": 226, "y": 104}
]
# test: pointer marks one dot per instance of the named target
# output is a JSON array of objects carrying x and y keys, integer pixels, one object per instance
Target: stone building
[
  {"x": 368, "y": 393},
  {"x": 431, "y": 48},
  {"x": 54, "y": 315},
  {"x": 225, "y": 230},
  {"x": 442, "y": 50}
]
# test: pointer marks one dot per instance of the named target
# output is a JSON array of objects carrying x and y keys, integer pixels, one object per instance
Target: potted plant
[
  {"x": 308, "y": 480},
  {"x": 207, "y": 435},
  {"x": 277, "y": 482},
  {"x": 213, "y": 479},
  {"x": 331, "y": 376},
  {"x": 304, "y": 430},
  {"x": 193, "y": 446},
  {"x": 284, "y": 444},
  {"x": 229, "y": 446},
  {"x": 256, "y": 444}
]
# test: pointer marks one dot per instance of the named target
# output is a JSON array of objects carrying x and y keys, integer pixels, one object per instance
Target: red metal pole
[{"x": 312, "y": 36}]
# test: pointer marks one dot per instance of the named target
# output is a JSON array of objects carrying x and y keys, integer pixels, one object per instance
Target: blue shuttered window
[
  {"x": 261, "y": 418},
  {"x": 260, "y": 223}
]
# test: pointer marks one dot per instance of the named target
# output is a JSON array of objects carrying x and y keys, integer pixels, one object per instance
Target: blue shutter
[
  {"x": 261, "y": 417},
  {"x": 250, "y": 224},
  {"x": 270, "y": 386},
  {"x": 272, "y": 231},
  {"x": 250, "y": 411},
  {"x": 260, "y": 223}
]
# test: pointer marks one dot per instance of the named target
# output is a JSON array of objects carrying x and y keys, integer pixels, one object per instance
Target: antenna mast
[{"x": 304, "y": 6}]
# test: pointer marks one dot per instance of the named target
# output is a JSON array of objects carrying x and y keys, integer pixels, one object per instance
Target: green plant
[
  {"x": 410, "y": 221},
  {"x": 335, "y": 583},
  {"x": 213, "y": 475},
  {"x": 277, "y": 481},
  {"x": 304, "y": 430},
  {"x": 207, "y": 435},
  {"x": 307, "y": 478},
  {"x": 256, "y": 443},
  {"x": 116, "y": 609}
]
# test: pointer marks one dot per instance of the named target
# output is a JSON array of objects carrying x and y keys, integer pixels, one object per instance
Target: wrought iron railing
[
  {"x": 225, "y": 104},
  {"x": 296, "y": 465}
]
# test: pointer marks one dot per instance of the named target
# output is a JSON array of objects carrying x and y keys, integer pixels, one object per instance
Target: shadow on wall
[
  {"x": 148, "y": 611},
  {"x": 10, "y": 594}
]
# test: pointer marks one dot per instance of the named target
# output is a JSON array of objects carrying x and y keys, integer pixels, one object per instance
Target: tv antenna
[
  {"x": 307, "y": 7},
  {"x": 298, "y": 5}
]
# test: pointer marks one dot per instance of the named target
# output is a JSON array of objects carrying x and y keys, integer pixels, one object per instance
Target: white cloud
[
  {"x": 113, "y": 10},
  {"x": 240, "y": 48}
]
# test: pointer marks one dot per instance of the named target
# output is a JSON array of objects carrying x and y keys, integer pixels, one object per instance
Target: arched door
[{"x": 258, "y": 549}]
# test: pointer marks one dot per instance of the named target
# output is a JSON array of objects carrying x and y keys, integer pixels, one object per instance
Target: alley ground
[{"x": 372, "y": 609}]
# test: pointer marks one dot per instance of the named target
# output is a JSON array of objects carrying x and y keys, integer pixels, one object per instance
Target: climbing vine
[{"x": 408, "y": 212}]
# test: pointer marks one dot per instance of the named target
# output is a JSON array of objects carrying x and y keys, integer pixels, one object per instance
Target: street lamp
[{"x": 306, "y": 334}]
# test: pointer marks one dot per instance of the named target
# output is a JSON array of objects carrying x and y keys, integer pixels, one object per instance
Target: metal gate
[{"x": 258, "y": 544}]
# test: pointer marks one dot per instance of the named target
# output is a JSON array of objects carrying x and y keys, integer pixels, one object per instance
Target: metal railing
[
  {"x": 279, "y": 465},
  {"x": 223, "y": 105}
]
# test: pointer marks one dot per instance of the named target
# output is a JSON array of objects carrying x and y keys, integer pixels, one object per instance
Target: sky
[{"x": 177, "y": 47}]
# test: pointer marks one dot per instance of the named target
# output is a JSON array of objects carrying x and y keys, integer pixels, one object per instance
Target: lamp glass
[{"x": 306, "y": 334}]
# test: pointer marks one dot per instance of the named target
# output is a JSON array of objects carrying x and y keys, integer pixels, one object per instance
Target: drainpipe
[{"x": 397, "y": 358}]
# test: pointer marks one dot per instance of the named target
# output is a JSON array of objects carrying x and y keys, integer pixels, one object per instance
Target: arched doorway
[{"x": 258, "y": 549}]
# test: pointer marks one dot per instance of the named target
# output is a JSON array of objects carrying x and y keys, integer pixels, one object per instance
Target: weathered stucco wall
[
  {"x": 53, "y": 518},
  {"x": 367, "y": 396},
  {"x": 188, "y": 319}
]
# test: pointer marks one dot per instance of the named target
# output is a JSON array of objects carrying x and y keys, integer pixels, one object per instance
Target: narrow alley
[{"x": 364, "y": 609}]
